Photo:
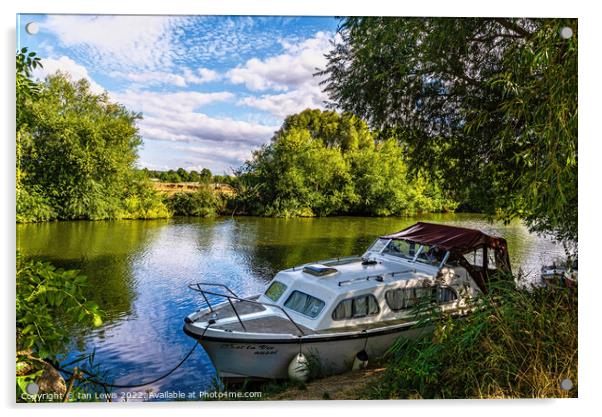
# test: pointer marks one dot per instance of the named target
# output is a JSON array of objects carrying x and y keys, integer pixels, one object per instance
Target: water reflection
[{"x": 139, "y": 272}]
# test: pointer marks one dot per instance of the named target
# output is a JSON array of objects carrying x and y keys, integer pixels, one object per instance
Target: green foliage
[
  {"x": 76, "y": 152},
  {"x": 202, "y": 203},
  {"x": 26, "y": 89},
  {"x": 518, "y": 344},
  {"x": 141, "y": 201},
  {"x": 48, "y": 302},
  {"x": 32, "y": 206},
  {"x": 488, "y": 106},
  {"x": 322, "y": 163}
]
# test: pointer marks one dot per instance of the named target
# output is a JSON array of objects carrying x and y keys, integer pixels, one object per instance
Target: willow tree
[{"x": 487, "y": 105}]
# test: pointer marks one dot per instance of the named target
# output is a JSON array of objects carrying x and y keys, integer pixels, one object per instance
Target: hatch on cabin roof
[{"x": 318, "y": 270}]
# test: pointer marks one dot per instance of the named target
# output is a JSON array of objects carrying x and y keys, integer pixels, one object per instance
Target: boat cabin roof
[{"x": 451, "y": 238}]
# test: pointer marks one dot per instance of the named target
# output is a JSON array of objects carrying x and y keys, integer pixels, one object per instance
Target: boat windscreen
[
  {"x": 431, "y": 255},
  {"x": 401, "y": 248},
  {"x": 275, "y": 290},
  {"x": 378, "y": 245}
]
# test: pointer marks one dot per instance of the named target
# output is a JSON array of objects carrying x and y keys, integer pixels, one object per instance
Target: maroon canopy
[
  {"x": 454, "y": 239},
  {"x": 459, "y": 241}
]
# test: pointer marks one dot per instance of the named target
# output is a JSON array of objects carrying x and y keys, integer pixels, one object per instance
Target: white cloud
[
  {"x": 151, "y": 78},
  {"x": 290, "y": 75},
  {"x": 160, "y": 103},
  {"x": 141, "y": 43},
  {"x": 174, "y": 117},
  {"x": 284, "y": 104},
  {"x": 282, "y": 72},
  {"x": 205, "y": 153},
  {"x": 190, "y": 127},
  {"x": 68, "y": 66},
  {"x": 205, "y": 75}
]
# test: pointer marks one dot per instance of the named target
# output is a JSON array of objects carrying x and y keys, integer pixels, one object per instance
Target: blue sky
[{"x": 211, "y": 88}]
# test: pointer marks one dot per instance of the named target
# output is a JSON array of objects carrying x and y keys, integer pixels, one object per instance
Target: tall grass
[{"x": 518, "y": 344}]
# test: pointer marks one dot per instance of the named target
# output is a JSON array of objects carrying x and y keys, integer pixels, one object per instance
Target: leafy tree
[
  {"x": 194, "y": 176},
  {"x": 171, "y": 176},
  {"x": 76, "y": 156},
  {"x": 183, "y": 174},
  {"x": 205, "y": 175},
  {"x": 32, "y": 205},
  {"x": 385, "y": 187},
  {"x": 344, "y": 131},
  {"x": 489, "y": 106},
  {"x": 322, "y": 163}
]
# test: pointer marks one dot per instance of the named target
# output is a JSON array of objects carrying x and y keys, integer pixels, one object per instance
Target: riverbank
[{"x": 352, "y": 385}]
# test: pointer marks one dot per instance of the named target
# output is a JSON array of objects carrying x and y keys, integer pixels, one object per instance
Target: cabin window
[
  {"x": 401, "y": 248},
  {"x": 356, "y": 307},
  {"x": 446, "y": 295},
  {"x": 275, "y": 290},
  {"x": 304, "y": 304},
  {"x": 405, "y": 298}
]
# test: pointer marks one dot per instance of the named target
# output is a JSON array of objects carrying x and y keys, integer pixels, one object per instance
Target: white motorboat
[{"x": 343, "y": 311}]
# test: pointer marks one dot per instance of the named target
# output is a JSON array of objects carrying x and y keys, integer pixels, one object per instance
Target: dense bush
[
  {"x": 50, "y": 302},
  {"x": 201, "y": 203},
  {"x": 519, "y": 344}
]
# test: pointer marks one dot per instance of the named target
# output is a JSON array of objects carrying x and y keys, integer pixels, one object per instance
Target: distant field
[{"x": 170, "y": 188}]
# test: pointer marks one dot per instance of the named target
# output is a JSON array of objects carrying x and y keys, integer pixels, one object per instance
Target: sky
[{"x": 211, "y": 89}]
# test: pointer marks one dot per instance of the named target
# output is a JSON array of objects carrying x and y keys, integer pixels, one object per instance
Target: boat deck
[
  {"x": 267, "y": 324},
  {"x": 225, "y": 310}
]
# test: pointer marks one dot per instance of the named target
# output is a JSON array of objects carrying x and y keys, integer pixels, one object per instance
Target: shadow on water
[{"x": 139, "y": 272}]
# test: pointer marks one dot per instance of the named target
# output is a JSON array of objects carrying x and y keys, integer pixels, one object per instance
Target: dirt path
[{"x": 347, "y": 386}]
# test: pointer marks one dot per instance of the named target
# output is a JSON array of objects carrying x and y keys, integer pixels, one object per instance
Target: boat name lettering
[{"x": 259, "y": 349}]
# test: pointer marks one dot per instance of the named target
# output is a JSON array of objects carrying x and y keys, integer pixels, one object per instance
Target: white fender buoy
[
  {"x": 298, "y": 368},
  {"x": 360, "y": 361}
]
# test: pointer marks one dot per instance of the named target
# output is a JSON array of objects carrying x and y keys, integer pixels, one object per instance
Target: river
[{"x": 138, "y": 273}]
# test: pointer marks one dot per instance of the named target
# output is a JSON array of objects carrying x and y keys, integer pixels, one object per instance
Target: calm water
[{"x": 139, "y": 271}]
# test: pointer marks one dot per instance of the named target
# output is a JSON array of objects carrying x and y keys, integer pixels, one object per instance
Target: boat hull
[{"x": 270, "y": 359}]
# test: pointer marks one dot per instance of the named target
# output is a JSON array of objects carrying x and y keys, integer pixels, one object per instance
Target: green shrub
[
  {"x": 201, "y": 203},
  {"x": 520, "y": 344},
  {"x": 49, "y": 301}
]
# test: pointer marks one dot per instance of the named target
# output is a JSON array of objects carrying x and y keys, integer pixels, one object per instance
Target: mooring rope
[{"x": 106, "y": 384}]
